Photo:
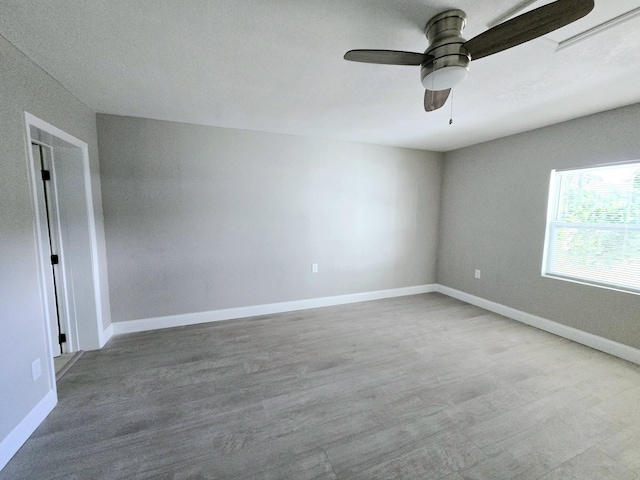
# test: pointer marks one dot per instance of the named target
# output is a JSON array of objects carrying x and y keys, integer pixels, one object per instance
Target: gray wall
[
  {"x": 24, "y": 86},
  {"x": 494, "y": 201},
  {"x": 203, "y": 218}
]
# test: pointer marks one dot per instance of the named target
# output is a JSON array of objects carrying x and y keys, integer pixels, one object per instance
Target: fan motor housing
[{"x": 446, "y": 51}]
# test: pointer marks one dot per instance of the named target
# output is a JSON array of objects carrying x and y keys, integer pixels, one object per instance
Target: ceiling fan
[{"x": 445, "y": 62}]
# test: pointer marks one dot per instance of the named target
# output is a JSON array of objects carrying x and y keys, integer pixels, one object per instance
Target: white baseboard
[
  {"x": 106, "y": 335},
  {"x": 16, "y": 438},
  {"x": 594, "y": 341},
  {"x": 145, "y": 324}
]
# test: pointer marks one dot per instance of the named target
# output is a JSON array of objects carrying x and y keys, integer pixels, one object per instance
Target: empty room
[{"x": 357, "y": 239}]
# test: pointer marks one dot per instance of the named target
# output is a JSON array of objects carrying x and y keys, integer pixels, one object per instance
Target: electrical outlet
[
  {"x": 477, "y": 275},
  {"x": 36, "y": 369},
  {"x": 314, "y": 268}
]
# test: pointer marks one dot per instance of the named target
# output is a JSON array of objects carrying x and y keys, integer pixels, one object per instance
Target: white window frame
[{"x": 552, "y": 225}]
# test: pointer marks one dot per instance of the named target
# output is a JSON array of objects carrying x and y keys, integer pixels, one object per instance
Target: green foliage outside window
[{"x": 607, "y": 202}]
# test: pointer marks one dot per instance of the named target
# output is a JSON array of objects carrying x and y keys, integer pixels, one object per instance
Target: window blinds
[{"x": 593, "y": 227}]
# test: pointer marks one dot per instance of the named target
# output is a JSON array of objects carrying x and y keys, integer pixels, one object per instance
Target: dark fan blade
[
  {"x": 386, "y": 57},
  {"x": 527, "y": 26},
  {"x": 433, "y": 100}
]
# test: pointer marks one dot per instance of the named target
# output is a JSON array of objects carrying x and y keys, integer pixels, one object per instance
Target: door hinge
[
  {"x": 55, "y": 259},
  {"x": 62, "y": 338},
  {"x": 46, "y": 175}
]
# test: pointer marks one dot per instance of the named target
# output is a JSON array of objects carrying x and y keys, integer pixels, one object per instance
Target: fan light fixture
[{"x": 445, "y": 78}]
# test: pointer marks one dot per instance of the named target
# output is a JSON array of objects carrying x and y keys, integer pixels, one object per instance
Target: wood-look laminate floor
[{"x": 421, "y": 387}]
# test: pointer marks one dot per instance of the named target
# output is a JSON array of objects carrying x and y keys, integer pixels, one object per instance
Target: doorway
[{"x": 66, "y": 240}]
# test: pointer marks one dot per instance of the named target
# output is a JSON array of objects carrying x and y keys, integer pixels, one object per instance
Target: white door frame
[{"x": 96, "y": 328}]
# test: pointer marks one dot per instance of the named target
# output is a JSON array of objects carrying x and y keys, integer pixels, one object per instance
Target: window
[{"x": 593, "y": 226}]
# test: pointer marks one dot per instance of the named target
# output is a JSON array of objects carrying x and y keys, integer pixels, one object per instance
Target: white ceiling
[{"x": 276, "y": 66}]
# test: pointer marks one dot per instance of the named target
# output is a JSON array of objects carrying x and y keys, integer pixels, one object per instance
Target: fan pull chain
[{"x": 451, "y": 117}]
